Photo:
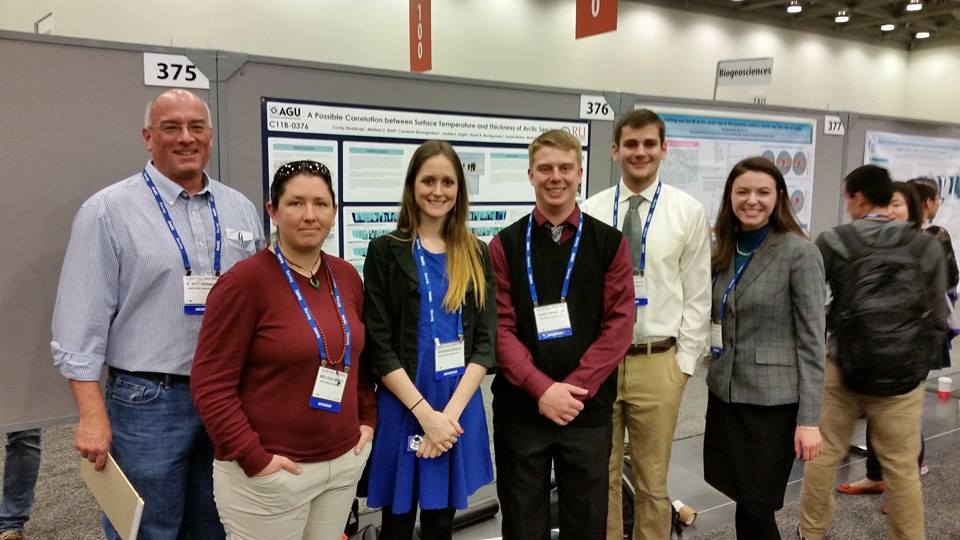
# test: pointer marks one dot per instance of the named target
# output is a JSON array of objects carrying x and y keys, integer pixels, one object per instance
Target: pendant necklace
[
  {"x": 314, "y": 281},
  {"x": 741, "y": 252}
]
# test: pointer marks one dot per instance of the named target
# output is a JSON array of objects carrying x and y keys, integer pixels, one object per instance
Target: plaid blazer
[{"x": 774, "y": 329}]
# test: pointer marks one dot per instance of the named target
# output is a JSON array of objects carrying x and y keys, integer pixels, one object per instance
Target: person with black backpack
[{"x": 887, "y": 280}]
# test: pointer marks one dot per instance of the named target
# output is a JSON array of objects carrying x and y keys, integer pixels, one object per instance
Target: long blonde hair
[{"x": 463, "y": 248}]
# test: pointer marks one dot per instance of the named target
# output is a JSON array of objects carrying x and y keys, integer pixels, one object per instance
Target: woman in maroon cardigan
[{"x": 277, "y": 376}]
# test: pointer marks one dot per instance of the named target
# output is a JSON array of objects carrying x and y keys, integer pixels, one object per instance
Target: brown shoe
[
  {"x": 15, "y": 534},
  {"x": 850, "y": 489}
]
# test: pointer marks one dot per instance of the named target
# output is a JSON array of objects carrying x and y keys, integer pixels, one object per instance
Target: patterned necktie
[
  {"x": 633, "y": 230},
  {"x": 556, "y": 233}
]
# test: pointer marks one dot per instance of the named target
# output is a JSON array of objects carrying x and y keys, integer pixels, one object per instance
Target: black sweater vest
[{"x": 558, "y": 357}]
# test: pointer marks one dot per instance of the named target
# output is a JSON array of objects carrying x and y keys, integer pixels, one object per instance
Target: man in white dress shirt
[{"x": 668, "y": 235}]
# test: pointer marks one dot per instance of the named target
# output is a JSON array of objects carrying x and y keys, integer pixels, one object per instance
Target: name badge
[
  {"x": 195, "y": 291},
  {"x": 640, "y": 290},
  {"x": 553, "y": 321},
  {"x": 449, "y": 359},
  {"x": 328, "y": 390},
  {"x": 716, "y": 339}
]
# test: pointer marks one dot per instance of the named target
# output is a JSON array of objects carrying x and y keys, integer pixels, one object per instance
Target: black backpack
[{"x": 882, "y": 318}]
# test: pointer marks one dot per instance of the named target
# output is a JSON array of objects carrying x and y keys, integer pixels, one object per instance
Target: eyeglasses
[
  {"x": 288, "y": 170},
  {"x": 174, "y": 128}
]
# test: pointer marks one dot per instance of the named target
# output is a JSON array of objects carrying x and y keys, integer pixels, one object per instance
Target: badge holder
[
  {"x": 640, "y": 297},
  {"x": 449, "y": 359},
  {"x": 195, "y": 291},
  {"x": 716, "y": 339},
  {"x": 328, "y": 389},
  {"x": 553, "y": 321}
]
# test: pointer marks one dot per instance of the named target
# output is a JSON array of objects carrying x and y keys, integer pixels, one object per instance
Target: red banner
[
  {"x": 420, "y": 53},
  {"x": 596, "y": 17}
]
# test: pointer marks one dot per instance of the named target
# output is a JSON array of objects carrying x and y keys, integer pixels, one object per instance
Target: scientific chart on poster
[
  {"x": 702, "y": 147},
  {"x": 361, "y": 224},
  {"x": 368, "y": 150},
  {"x": 912, "y": 156}
]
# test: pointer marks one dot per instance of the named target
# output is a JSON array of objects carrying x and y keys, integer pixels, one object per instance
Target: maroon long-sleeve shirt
[
  {"x": 514, "y": 359},
  {"x": 257, "y": 361}
]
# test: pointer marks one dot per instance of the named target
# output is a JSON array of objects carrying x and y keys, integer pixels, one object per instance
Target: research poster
[
  {"x": 368, "y": 150},
  {"x": 361, "y": 224},
  {"x": 703, "y": 146},
  {"x": 912, "y": 156}
]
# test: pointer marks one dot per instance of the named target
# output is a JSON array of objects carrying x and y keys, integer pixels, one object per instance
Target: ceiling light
[
  {"x": 889, "y": 27},
  {"x": 794, "y": 7},
  {"x": 842, "y": 17},
  {"x": 922, "y": 35},
  {"x": 915, "y": 5}
]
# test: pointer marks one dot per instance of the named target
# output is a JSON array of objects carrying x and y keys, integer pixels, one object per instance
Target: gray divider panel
[{"x": 72, "y": 114}]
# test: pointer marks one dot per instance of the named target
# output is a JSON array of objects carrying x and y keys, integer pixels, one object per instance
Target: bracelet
[
  {"x": 808, "y": 428},
  {"x": 414, "y": 406}
]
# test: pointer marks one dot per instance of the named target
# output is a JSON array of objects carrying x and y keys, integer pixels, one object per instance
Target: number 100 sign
[{"x": 172, "y": 70}]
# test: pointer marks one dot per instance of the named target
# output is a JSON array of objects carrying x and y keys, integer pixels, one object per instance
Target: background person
[
  {"x": 139, "y": 252},
  {"x": 284, "y": 395},
  {"x": 431, "y": 323},
  {"x": 765, "y": 378},
  {"x": 20, "y": 470},
  {"x": 929, "y": 191},
  {"x": 887, "y": 280},
  {"x": 904, "y": 206}
]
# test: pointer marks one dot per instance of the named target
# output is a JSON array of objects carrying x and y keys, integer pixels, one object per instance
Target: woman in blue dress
[{"x": 430, "y": 314}]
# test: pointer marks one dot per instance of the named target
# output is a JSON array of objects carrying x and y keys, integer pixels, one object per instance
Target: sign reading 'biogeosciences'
[{"x": 745, "y": 72}]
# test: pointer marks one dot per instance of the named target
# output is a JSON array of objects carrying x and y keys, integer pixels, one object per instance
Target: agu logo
[{"x": 287, "y": 112}]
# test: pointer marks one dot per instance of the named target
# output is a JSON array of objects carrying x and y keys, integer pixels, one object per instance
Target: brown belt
[{"x": 656, "y": 347}]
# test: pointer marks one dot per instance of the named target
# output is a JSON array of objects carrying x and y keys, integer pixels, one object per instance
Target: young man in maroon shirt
[{"x": 565, "y": 303}]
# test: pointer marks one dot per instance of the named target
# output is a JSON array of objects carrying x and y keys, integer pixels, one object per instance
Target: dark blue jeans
[
  {"x": 19, "y": 478},
  {"x": 160, "y": 443}
]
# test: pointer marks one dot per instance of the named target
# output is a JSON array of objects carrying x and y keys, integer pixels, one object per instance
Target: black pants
[
  {"x": 756, "y": 525},
  {"x": 579, "y": 456},
  {"x": 874, "y": 471},
  {"x": 434, "y": 524}
]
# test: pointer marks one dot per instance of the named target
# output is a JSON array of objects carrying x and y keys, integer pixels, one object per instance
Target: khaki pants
[
  {"x": 894, "y": 434},
  {"x": 313, "y": 505},
  {"x": 648, "y": 400}
]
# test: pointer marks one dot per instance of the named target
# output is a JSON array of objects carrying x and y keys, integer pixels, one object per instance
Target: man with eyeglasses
[{"x": 142, "y": 255}]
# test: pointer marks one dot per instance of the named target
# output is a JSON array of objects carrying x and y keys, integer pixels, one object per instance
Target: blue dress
[{"x": 397, "y": 477}]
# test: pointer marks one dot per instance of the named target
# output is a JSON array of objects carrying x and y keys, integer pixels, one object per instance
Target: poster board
[
  {"x": 703, "y": 146},
  {"x": 910, "y": 156},
  {"x": 368, "y": 150}
]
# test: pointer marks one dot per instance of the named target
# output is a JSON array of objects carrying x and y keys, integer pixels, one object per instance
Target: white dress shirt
[{"x": 677, "y": 267}]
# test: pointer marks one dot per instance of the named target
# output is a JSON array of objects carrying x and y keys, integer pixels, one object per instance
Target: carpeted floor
[
  {"x": 65, "y": 510},
  {"x": 858, "y": 516}
]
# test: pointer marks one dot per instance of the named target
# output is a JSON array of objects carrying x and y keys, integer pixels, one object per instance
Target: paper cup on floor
[{"x": 944, "y": 387}]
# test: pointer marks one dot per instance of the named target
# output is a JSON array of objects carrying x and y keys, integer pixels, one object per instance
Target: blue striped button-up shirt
[{"x": 120, "y": 298}]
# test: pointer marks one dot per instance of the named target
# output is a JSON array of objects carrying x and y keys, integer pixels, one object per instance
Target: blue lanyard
[
  {"x": 738, "y": 273},
  {"x": 566, "y": 277},
  {"x": 646, "y": 224},
  {"x": 218, "y": 237},
  {"x": 306, "y": 309},
  {"x": 422, "y": 266}
]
